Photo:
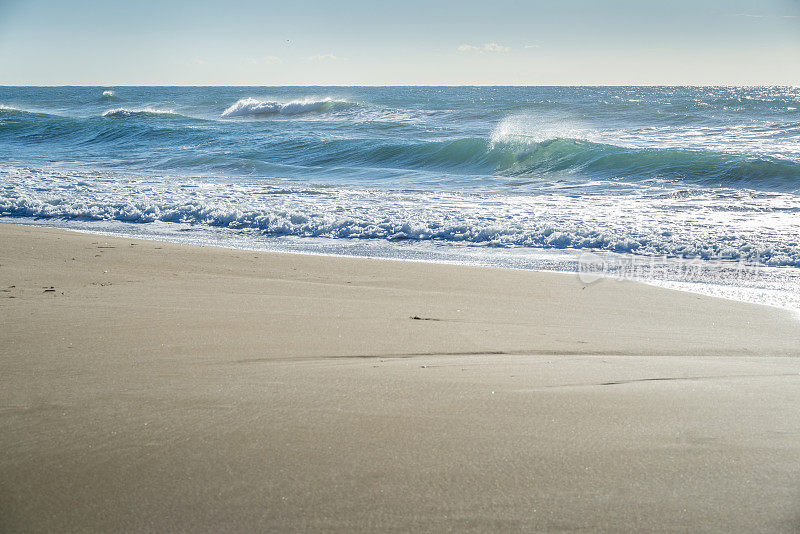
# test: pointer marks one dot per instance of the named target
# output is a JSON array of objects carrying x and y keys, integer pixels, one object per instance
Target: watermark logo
[{"x": 593, "y": 267}]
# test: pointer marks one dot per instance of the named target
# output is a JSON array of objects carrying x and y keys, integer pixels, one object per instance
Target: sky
[{"x": 360, "y": 42}]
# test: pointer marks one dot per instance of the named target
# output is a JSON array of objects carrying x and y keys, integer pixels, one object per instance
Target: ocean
[{"x": 694, "y": 188}]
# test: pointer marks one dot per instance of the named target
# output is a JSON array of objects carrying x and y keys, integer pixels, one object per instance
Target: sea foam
[
  {"x": 254, "y": 107},
  {"x": 553, "y": 220},
  {"x": 147, "y": 111}
]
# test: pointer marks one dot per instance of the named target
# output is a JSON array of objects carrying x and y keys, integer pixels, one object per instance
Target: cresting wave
[
  {"x": 252, "y": 107},
  {"x": 577, "y": 159},
  {"x": 23, "y": 116},
  {"x": 599, "y": 160},
  {"x": 11, "y": 110}
]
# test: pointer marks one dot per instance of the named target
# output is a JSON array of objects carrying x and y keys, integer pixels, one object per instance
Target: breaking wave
[
  {"x": 142, "y": 112},
  {"x": 565, "y": 157},
  {"x": 6, "y": 110},
  {"x": 252, "y": 107}
]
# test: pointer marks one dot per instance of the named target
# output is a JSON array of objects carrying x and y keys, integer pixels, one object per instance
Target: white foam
[
  {"x": 124, "y": 112},
  {"x": 699, "y": 222},
  {"x": 255, "y": 107}
]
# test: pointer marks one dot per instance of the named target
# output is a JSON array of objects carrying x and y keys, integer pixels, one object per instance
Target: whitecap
[
  {"x": 124, "y": 112},
  {"x": 254, "y": 107}
]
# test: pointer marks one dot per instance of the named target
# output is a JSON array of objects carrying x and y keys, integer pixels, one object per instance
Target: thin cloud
[
  {"x": 529, "y": 46},
  {"x": 326, "y": 57},
  {"x": 265, "y": 60},
  {"x": 494, "y": 47},
  {"x": 757, "y": 16},
  {"x": 488, "y": 47}
]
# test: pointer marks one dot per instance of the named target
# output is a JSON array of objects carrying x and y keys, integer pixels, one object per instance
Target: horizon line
[{"x": 792, "y": 85}]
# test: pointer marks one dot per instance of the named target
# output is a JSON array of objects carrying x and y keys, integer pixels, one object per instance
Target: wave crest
[
  {"x": 23, "y": 113},
  {"x": 145, "y": 112},
  {"x": 572, "y": 158},
  {"x": 253, "y": 107},
  {"x": 5, "y": 109}
]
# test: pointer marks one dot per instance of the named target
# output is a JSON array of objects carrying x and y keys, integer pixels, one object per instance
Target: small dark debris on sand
[{"x": 418, "y": 318}]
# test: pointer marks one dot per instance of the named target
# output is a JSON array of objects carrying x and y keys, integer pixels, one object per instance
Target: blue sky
[{"x": 356, "y": 42}]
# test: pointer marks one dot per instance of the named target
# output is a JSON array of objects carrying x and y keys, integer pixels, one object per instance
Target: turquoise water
[{"x": 489, "y": 175}]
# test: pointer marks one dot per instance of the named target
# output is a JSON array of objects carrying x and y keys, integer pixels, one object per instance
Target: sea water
[{"x": 694, "y": 188}]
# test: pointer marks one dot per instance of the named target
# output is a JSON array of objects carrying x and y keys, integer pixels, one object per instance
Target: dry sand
[{"x": 162, "y": 387}]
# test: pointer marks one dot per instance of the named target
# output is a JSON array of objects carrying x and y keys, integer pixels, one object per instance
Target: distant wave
[
  {"x": 19, "y": 112},
  {"x": 5, "y": 109},
  {"x": 109, "y": 95},
  {"x": 751, "y": 101},
  {"x": 252, "y": 107},
  {"x": 145, "y": 112}
]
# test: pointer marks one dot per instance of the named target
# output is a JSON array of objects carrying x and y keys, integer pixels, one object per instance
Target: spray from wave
[
  {"x": 253, "y": 107},
  {"x": 531, "y": 129}
]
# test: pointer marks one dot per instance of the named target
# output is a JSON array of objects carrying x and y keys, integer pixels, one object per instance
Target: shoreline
[
  {"x": 624, "y": 285},
  {"x": 152, "y": 386},
  {"x": 714, "y": 288}
]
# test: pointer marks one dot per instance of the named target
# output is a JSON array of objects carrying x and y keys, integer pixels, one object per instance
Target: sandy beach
[{"x": 151, "y": 387}]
